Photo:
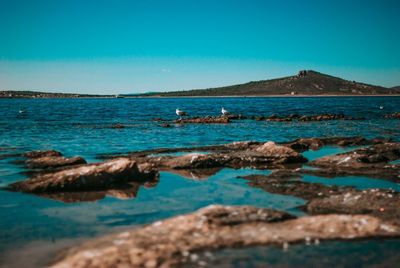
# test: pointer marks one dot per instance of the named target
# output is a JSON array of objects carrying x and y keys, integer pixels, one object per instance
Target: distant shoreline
[{"x": 223, "y": 96}]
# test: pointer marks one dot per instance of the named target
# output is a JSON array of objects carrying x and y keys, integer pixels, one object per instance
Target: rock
[
  {"x": 361, "y": 158},
  {"x": 383, "y": 204},
  {"x": 171, "y": 242},
  {"x": 118, "y": 126},
  {"x": 299, "y": 145},
  {"x": 272, "y": 149},
  {"x": 54, "y": 161},
  {"x": 204, "y": 120},
  {"x": 264, "y": 156},
  {"x": 389, "y": 172},
  {"x": 37, "y": 154},
  {"x": 393, "y": 116},
  {"x": 324, "y": 199},
  {"x": 307, "y": 118},
  {"x": 286, "y": 182},
  {"x": 304, "y": 144},
  {"x": 88, "y": 177}
]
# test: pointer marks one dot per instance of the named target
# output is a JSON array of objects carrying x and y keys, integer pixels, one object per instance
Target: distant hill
[
  {"x": 36, "y": 94},
  {"x": 304, "y": 83}
]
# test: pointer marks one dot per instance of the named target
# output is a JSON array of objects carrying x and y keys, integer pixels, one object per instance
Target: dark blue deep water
[{"x": 33, "y": 229}]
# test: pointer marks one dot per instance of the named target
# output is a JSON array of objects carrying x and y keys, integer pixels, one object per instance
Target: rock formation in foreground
[{"x": 177, "y": 240}]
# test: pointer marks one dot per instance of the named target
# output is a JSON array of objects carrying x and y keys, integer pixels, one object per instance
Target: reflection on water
[{"x": 372, "y": 253}]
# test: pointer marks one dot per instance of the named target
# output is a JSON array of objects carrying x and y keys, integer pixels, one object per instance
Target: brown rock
[
  {"x": 170, "y": 242},
  {"x": 272, "y": 149},
  {"x": 361, "y": 158},
  {"x": 37, "y": 154},
  {"x": 54, "y": 161},
  {"x": 393, "y": 115},
  {"x": 204, "y": 120},
  {"x": 85, "y": 178}
]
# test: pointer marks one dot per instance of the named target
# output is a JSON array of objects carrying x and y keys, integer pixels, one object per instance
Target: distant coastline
[{"x": 306, "y": 83}]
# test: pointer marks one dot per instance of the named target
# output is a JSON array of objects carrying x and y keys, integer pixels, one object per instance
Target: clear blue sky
[{"x": 96, "y": 46}]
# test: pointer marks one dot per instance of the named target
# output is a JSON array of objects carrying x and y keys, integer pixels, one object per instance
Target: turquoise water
[{"x": 32, "y": 227}]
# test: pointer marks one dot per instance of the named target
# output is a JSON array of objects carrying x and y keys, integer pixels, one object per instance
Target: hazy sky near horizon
[{"x": 121, "y": 46}]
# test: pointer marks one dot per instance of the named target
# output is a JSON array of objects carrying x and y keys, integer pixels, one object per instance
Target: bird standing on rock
[
  {"x": 180, "y": 113},
  {"x": 224, "y": 112}
]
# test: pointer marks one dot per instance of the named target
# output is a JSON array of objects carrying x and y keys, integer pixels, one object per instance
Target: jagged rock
[
  {"x": 171, "y": 242},
  {"x": 54, "y": 161},
  {"x": 88, "y": 177}
]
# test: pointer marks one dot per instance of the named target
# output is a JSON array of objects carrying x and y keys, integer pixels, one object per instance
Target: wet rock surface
[
  {"x": 88, "y": 177},
  {"x": 304, "y": 144},
  {"x": 54, "y": 162},
  {"x": 323, "y": 199},
  {"x": 175, "y": 241},
  {"x": 299, "y": 145},
  {"x": 260, "y": 156},
  {"x": 370, "y": 161},
  {"x": 46, "y": 153}
]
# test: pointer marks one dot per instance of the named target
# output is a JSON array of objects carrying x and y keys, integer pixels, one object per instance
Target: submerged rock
[
  {"x": 173, "y": 241},
  {"x": 88, "y": 177}
]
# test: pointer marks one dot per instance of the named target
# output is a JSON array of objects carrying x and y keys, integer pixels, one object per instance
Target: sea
[{"x": 34, "y": 230}]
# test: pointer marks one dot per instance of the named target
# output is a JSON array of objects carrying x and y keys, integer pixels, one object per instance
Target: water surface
[{"x": 32, "y": 227}]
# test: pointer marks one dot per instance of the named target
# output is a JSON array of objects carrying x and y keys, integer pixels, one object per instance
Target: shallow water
[{"x": 83, "y": 127}]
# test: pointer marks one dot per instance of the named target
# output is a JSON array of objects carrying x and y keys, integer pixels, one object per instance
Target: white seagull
[
  {"x": 224, "y": 112},
  {"x": 381, "y": 107},
  {"x": 180, "y": 113}
]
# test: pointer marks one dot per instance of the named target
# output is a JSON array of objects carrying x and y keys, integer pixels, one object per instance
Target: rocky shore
[
  {"x": 178, "y": 240},
  {"x": 332, "y": 212},
  {"x": 226, "y": 119}
]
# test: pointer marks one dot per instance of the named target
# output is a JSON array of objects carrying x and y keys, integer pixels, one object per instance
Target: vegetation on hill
[{"x": 304, "y": 83}]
